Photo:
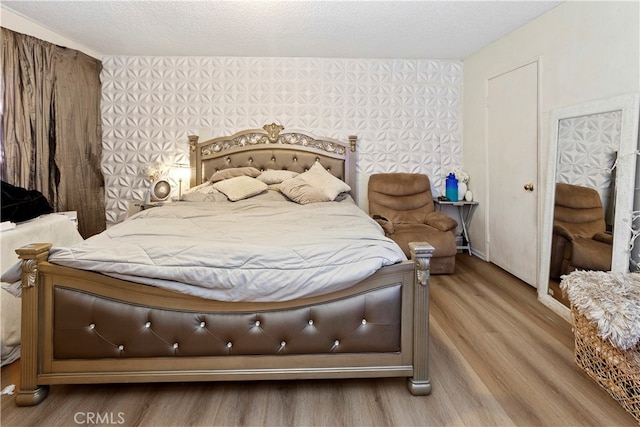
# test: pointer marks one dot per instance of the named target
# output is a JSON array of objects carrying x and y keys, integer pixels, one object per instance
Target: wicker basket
[{"x": 616, "y": 371}]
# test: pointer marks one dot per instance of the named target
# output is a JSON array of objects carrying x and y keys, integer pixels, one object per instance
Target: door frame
[{"x": 540, "y": 152}]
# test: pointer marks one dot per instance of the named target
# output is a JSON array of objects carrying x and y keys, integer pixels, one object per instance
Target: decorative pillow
[
  {"x": 233, "y": 172},
  {"x": 273, "y": 176},
  {"x": 203, "y": 193},
  {"x": 302, "y": 192},
  {"x": 240, "y": 187},
  {"x": 272, "y": 195},
  {"x": 216, "y": 197},
  {"x": 318, "y": 177},
  {"x": 205, "y": 188}
]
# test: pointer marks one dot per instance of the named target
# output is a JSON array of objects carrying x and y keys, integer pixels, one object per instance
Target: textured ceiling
[{"x": 333, "y": 29}]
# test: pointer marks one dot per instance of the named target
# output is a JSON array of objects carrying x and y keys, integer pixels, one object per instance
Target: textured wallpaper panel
[
  {"x": 406, "y": 113},
  {"x": 587, "y": 149}
]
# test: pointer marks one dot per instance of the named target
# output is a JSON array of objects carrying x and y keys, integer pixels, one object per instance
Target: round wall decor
[{"x": 160, "y": 190}]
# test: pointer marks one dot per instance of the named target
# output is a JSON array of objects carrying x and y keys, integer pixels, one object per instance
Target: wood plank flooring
[{"x": 497, "y": 358}]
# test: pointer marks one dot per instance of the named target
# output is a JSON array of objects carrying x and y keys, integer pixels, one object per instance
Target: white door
[{"x": 512, "y": 104}]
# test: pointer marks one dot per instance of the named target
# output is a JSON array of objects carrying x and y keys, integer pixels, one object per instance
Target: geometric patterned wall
[
  {"x": 587, "y": 148},
  {"x": 407, "y": 113}
]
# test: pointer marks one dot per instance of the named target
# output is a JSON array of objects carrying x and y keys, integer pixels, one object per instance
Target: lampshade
[{"x": 182, "y": 172}]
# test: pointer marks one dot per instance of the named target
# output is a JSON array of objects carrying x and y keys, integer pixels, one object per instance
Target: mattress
[{"x": 259, "y": 249}]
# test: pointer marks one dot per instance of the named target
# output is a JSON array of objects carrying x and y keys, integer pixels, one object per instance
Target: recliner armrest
[
  {"x": 386, "y": 225},
  {"x": 604, "y": 237},
  {"x": 562, "y": 231},
  {"x": 440, "y": 221}
]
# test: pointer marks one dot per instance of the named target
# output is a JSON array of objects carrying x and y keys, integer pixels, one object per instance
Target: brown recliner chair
[
  {"x": 579, "y": 240},
  {"x": 402, "y": 203}
]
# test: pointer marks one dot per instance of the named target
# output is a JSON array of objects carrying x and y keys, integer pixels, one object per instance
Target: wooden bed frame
[{"x": 377, "y": 328}]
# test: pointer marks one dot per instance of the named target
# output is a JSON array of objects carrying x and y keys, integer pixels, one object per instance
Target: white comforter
[
  {"x": 55, "y": 228},
  {"x": 250, "y": 250}
]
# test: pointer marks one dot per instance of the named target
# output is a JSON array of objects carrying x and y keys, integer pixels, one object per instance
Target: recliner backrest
[
  {"x": 579, "y": 209},
  {"x": 402, "y": 198}
]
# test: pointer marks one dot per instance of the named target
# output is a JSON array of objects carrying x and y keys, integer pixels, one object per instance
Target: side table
[{"x": 465, "y": 210}]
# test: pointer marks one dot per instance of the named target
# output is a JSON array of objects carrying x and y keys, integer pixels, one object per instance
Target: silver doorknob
[{"x": 528, "y": 187}]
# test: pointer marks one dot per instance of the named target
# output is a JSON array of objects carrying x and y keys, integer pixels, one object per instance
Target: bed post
[
  {"x": 350, "y": 166},
  {"x": 194, "y": 161},
  {"x": 30, "y": 393},
  {"x": 421, "y": 253}
]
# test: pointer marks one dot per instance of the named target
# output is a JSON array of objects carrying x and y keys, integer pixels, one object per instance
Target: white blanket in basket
[{"x": 609, "y": 300}]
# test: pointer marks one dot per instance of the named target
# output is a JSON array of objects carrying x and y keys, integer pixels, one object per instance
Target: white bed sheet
[
  {"x": 57, "y": 229},
  {"x": 259, "y": 249}
]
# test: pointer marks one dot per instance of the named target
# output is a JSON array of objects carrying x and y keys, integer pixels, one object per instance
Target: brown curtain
[
  {"x": 28, "y": 93},
  {"x": 52, "y": 135}
]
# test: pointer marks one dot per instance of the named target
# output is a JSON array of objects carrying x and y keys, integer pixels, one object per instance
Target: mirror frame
[{"x": 625, "y": 167}]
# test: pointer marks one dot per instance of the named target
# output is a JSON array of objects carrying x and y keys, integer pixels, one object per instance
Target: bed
[{"x": 136, "y": 324}]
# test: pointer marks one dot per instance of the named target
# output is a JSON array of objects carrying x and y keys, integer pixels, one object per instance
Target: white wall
[
  {"x": 587, "y": 50},
  {"x": 17, "y": 23},
  {"x": 406, "y": 113}
]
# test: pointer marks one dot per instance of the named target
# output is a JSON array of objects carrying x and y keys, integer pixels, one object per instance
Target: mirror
[{"x": 592, "y": 158}]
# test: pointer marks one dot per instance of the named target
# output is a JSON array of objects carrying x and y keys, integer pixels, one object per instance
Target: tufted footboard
[
  {"x": 363, "y": 323},
  {"x": 83, "y": 327}
]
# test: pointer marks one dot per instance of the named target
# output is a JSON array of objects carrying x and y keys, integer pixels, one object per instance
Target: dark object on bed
[
  {"x": 403, "y": 205},
  {"x": 20, "y": 204}
]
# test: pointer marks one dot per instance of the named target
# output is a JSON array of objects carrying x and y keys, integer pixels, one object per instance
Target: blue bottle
[{"x": 451, "y": 188}]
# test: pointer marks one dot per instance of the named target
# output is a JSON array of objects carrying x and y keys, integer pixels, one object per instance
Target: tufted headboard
[{"x": 270, "y": 148}]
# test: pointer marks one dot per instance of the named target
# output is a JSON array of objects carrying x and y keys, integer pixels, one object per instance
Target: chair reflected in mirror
[
  {"x": 580, "y": 239},
  {"x": 594, "y": 145}
]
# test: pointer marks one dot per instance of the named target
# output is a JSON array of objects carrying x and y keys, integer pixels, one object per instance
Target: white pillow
[
  {"x": 215, "y": 197},
  {"x": 233, "y": 172},
  {"x": 240, "y": 187},
  {"x": 273, "y": 176},
  {"x": 205, "y": 188},
  {"x": 272, "y": 194},
  {"x": 318, "y": 177},
  {"x": 302, "y": 192}
]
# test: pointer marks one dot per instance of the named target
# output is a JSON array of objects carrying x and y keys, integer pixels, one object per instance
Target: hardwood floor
[{"x": 497, "y": 357}]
